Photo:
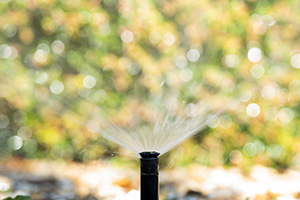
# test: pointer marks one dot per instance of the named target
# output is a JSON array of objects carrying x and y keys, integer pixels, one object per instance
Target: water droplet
[{"x": 162, "y": 83}]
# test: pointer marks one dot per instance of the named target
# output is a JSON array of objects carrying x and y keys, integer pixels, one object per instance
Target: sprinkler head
[
  {"x": 149, "y": 175},
  {"x": 151, "y": 154}
]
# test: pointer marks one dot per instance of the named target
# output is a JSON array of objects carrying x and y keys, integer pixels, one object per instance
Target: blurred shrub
[{"x": 63, "y": 63}]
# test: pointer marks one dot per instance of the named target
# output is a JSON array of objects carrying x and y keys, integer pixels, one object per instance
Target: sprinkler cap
[{"x": 150, "y": 154}]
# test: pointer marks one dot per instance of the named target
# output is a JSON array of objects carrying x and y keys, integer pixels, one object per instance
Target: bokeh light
[
  {"x": 253, "y": 110},
  {"x": 67, "y": 66}
]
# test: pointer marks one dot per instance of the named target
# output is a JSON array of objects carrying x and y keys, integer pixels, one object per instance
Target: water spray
[
  {"x": 167, "y": 129},
  {"x": 149, "y": 175}
]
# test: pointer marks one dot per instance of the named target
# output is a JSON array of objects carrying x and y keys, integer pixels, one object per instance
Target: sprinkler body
[{"x": 149, "y": 175}]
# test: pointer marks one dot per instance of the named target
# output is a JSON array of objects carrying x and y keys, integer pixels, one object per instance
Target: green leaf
[{"x": 19, "y": 197}]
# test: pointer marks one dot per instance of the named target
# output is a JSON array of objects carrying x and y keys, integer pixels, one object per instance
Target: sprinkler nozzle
[
  {"x": 151, "y": 154},
  {"x": 149, "y": 175}
]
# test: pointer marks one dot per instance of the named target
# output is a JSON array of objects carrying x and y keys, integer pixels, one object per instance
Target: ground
[{"x": 98, "y": 180}]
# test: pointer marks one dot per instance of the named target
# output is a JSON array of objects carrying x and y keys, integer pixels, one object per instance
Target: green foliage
[
  {"x": 65, "y": 64},
  {"x": 19, "y": 197}
]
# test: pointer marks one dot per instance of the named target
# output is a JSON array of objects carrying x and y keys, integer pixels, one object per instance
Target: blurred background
[{"x": 65, "y": 64}]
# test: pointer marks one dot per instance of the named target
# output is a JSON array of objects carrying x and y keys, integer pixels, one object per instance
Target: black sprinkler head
[
  {"x": 151, "y": 154},
  {"x": 149, "y": 175}
]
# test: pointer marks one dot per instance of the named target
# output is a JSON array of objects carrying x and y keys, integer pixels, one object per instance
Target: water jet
[{"x": 164, "y": 130}]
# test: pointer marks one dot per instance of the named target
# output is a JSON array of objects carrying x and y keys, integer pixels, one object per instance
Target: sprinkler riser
[{"x": 149, "y": 176}]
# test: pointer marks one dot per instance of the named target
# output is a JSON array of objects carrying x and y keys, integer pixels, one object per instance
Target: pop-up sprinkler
[
  {"x": 149, "y": 175},
  {"x": 147, "y": 138}
]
